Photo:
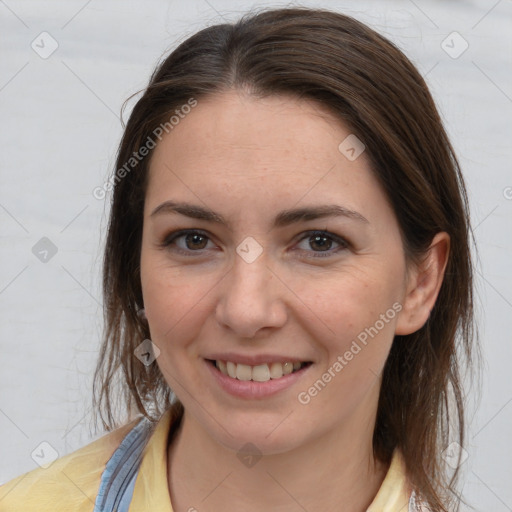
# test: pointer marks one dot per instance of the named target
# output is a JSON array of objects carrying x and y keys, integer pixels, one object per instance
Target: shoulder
[{"x": 70, "y": 483}]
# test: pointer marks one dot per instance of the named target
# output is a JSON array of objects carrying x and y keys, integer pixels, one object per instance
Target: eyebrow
[{"x": 282, "y": 219}]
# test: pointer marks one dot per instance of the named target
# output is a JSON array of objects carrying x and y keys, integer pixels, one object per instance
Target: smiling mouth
[{"x": 260, "y": 373}]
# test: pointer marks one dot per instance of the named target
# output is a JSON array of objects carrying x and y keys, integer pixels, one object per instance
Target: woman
[{"x": 287, "y": 284}]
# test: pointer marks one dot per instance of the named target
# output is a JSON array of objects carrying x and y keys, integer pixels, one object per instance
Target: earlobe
[{"x": 423, "y": 286}]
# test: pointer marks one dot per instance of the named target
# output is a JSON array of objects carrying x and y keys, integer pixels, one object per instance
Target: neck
[{"x": 334, "y": 472}]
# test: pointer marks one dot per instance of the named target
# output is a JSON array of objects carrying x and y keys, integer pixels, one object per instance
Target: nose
[{"x": 251, "y": 299}]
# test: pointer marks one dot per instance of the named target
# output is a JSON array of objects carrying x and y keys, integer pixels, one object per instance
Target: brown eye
[
  {"x": 187, "y": 241},
  {"x": 322, "y": 243},
  {"x": 195, "y": 241}
]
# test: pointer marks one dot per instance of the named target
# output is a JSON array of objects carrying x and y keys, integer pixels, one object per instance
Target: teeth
[
  {"x": 259, "y": 373},
  {"x": 287, "y": 368},
  {"x": 243, "y": 372},
  {"x": 231, "y": 368},
  {"x": 276, "y": 370},
  {"x": 221, "y": 365}
]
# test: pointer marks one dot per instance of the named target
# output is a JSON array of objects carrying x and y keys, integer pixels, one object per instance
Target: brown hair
[{"x": 375, "y": 90}]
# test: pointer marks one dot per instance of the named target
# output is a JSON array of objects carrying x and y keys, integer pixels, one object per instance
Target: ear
[{"x": 423, "y": 285}]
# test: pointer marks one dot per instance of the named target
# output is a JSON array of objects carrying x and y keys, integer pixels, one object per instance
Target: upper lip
[{"x": 256, "y": 359}]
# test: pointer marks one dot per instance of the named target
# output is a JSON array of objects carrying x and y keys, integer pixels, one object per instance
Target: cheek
[
  {"x": 347, "y": 302},
  {"x": 353, "y": 319},
  {"x": 176, "y": 311},
  {"x": 355, "y": 353},
  {"x": 174, "y": 300}
]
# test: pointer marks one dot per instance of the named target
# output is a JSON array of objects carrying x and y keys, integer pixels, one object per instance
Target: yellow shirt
[{"x": 71, "y": 483}]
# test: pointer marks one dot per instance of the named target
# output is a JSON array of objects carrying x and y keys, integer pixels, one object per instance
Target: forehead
[
  {"x": 278, "y": 149},
  {"x": 253, "y": 127}
]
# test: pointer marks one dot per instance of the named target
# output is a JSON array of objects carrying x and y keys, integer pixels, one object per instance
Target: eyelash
[{"x": 172, "y": 237}]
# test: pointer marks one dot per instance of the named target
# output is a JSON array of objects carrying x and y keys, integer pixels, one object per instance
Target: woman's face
[{"x": 293, "y": 255}]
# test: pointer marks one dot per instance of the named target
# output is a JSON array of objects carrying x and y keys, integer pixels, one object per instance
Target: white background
[{"x": 58, "y": 136}]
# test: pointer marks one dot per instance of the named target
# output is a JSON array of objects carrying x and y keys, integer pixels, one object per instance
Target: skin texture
[{"x": 248, "y": 159}]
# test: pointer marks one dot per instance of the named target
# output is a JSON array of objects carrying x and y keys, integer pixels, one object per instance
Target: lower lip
[{"x": 251, "y": 389}]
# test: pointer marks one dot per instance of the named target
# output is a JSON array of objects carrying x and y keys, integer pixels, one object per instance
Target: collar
[{"x": 151, "y": 491}]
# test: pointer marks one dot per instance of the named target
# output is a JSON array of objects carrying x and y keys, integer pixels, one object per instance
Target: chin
[{"x": 267, "y": 432}]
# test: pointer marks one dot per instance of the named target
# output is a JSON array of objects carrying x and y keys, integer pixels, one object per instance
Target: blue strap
[
  {"x": 126, "y": 498},
  {"x": 118, "y": 478}
]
